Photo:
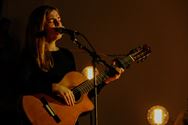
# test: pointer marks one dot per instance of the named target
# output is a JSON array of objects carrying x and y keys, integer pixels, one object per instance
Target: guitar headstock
[{"x": 138, "y": 54}]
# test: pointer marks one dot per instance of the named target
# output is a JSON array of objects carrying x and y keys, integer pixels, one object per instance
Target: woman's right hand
[{"x": 65, "y": 93}]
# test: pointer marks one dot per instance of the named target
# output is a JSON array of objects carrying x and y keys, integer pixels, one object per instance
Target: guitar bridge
[{"x": 49, "y": 109}]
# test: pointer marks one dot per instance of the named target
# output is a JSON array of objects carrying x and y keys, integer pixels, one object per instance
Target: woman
[{"x": 45, "y": 64}]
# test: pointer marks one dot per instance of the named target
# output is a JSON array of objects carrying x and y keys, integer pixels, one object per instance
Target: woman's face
[{"x": 53, "y": 20}]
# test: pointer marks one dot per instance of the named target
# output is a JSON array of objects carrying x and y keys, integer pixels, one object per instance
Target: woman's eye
[
  {"x": 54, "y": 20},
  {"x": 51, "y": 21}
]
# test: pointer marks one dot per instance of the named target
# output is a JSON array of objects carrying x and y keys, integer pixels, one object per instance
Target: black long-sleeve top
[{"x": 34, "y": 80}]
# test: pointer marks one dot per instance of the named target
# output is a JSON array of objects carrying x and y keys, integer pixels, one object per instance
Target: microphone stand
[{"x": 95, "y": 59}]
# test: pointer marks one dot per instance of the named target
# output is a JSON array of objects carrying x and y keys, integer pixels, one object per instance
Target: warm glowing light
[
  {"x": 88, "y": 72},
  {"x": 157, "y": 115}
]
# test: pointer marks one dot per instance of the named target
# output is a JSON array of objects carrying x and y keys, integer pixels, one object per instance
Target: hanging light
[{"x": 157, "y": 115}]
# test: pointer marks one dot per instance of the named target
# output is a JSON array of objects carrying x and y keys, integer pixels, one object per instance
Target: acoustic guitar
[{"x": 42, "y": 109}]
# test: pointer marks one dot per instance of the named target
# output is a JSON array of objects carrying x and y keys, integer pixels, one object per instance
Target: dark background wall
[{"x": 115, "y": 27}]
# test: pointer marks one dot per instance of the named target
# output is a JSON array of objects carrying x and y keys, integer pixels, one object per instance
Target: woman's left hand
[{"x": 116, "y": 76}]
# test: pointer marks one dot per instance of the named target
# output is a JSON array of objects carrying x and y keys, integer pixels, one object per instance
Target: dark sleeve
[
  {"x": 30, "y": 81},
  {"x": 32, "y": 85}
]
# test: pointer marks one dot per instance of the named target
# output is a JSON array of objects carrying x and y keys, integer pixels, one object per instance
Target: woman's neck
[{"x": 52, "y": 46}]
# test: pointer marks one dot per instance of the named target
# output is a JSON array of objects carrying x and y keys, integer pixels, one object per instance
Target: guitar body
[{"x": 38, "y": 115}]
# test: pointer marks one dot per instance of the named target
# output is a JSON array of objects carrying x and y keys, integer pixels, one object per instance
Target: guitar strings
[{"x": 88, "y": 85}]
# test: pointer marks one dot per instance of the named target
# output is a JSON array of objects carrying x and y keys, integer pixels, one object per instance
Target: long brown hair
[{"x": 35, "y": 37}]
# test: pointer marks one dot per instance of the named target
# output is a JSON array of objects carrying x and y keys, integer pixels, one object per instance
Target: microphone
[{"x": 67, "y": 31}]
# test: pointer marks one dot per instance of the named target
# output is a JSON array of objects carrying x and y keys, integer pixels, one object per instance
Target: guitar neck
[{"x": 88, "y": 85}]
